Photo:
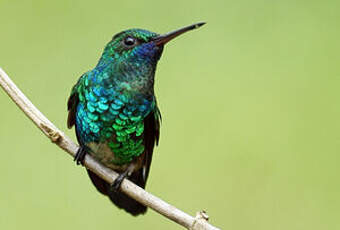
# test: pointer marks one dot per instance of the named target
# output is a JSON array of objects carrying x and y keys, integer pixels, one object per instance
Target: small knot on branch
[
  {"x": 201, "y": 219},
  {"x": 54, "y": 136}
]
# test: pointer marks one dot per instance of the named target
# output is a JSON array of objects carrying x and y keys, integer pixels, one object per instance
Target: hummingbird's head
[
  {"x": 133, "y": 46},
  {"x": 135, "y": 52},
  {"x": 138, "y": 45}
]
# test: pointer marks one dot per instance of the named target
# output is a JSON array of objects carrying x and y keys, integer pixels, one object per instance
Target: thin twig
[{"x": 59, "y": 138}]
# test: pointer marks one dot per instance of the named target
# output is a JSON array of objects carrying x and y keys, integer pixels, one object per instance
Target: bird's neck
[{"x": 127, "y": 77}]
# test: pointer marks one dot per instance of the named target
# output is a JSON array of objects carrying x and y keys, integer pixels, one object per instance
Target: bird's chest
[{"x": 112, "y": 126}]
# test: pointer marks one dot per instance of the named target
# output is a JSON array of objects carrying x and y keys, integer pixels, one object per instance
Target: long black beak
[{"x": 164, "y": 38}]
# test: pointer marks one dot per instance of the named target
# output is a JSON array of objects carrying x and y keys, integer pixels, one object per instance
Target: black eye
[{"x": 129, "y": 41}]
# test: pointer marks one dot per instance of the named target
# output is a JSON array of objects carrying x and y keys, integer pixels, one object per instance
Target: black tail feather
[
  {"x": 98, "y": 182},
  {"x": 118, "y": 198}
]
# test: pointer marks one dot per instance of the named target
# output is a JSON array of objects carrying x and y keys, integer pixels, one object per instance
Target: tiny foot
[
  {"x": 80, "y": 156},
  {"x": 118, "y": 181}
]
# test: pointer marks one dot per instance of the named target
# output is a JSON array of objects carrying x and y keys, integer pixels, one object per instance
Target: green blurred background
[{"x": 250, "y": 106}]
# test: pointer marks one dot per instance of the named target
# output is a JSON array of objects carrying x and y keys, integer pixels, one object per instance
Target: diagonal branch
[{"x": 59, "y": 138}]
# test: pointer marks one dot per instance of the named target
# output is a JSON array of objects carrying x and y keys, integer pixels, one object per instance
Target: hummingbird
[{"x": 114, "y": 110}]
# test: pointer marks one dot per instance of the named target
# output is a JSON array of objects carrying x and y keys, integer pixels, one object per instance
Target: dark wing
[
  {"x": 72, "y": 107},
  {"x": 151, "y": 137},
  {"x": 73, "y": 101}
]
